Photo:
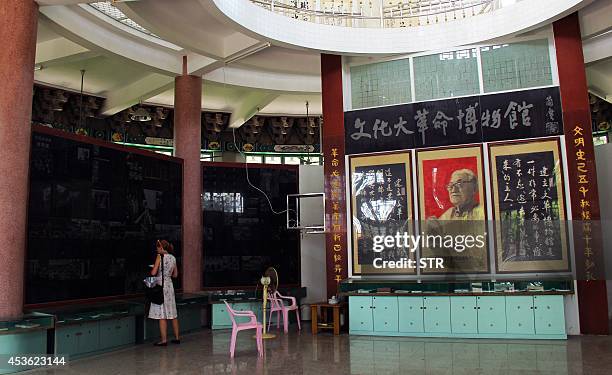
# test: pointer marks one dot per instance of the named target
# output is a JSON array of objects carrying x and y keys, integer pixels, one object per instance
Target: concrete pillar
[
  {"x": 18, "y": 20},
  {"x": 187, "y": 145}
]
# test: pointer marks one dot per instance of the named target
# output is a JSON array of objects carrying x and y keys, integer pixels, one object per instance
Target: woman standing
[{"x": 167, "y": 310}]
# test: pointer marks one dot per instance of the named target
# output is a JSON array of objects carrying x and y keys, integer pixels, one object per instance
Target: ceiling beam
[
  {"x": 249, "y": 106},
  {"x": 62, "y": 2},
  {"x": 86, "y": 29},
  {"x": 135, "y": 92},
  {"x": 597, "y": 48},
  {"x": 61, "y": 51},
  {"x": 72, "y": 2},
  {"x": 152, "y": 84},
  {"x": 600, "y": 83}
]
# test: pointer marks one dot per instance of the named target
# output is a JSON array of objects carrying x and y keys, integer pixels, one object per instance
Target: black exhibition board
[
  {"x": 243, "y": 235},
  {"x": 528, "y": 198},
  {"x": 95, "y": 212},
  {"x": 471, "y": 119}
]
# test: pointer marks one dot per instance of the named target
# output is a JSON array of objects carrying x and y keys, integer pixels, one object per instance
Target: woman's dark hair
[{"x": 167, "y": 246}]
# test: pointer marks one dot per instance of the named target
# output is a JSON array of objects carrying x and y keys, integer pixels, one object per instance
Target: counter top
[{"x": 460, "y": 294}]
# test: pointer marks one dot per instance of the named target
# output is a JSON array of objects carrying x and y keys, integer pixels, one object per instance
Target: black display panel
[
  {"x": 94, "y": 214},
  {"x": 242, "y": 236}
]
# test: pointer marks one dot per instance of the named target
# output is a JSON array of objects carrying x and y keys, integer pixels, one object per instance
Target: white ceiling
[{"x": 127, "y": 66}]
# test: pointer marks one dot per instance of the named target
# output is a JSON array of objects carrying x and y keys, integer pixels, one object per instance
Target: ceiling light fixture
[{"x": 141, "y": 114}]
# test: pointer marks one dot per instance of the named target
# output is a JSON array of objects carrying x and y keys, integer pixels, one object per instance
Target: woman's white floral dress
[{"x": 166, "y": 310}]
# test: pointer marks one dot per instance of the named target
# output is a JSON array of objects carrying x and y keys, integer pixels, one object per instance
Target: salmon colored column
[
  {"x": 187, "y": 145},
  {"x": 18, "y": 20},
  {"x": 335, "y": 183},
  {"x": 588, "y": 248}
]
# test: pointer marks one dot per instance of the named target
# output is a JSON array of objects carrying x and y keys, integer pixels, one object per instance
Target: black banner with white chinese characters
[{"x": 473, "y": 119}]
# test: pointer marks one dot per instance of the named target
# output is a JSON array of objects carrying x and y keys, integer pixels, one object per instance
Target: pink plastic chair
[
  {"x": 236, "y": 327},
  {"x": 277, "y": 306}
]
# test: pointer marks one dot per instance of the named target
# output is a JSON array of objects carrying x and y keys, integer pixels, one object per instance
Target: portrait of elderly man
[{"x": 463, "y": 193}]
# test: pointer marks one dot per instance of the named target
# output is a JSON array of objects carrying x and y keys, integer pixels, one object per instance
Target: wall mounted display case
[{"x": 95, "y": 211}]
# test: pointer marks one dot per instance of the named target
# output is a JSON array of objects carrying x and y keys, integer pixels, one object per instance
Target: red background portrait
[{"x": 445, "y": 168}]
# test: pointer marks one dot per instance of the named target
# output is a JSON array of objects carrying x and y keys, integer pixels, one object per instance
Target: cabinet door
[
  {"x": 89, "y": 337},
  {"x": 436, "y": 316},
  {"x": 463, "y": 315},
  {"x": 410, "y": 314},
  {"x": 385, "y": 314},
  {"x": 519, "y": 315},
  {"x": 549, "y": 315},
  {"x": 491, "y": 314},
  {"x": 220, "y": 316},
  {"x": 66, "y": 340},
  {"x": 111, "y": 333},
  {"x": 360, "y": 313},
  {"x": 129, "y": 329}
]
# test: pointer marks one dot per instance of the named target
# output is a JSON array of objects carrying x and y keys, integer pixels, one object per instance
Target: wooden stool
[{"x": 335, "y": 325}]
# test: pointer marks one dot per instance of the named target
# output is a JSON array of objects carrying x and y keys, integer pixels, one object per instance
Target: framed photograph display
[
  {"x": 381, "y": 205},
  {"x": 529, "y": 210},
  {"x": 452, "y": 209}
]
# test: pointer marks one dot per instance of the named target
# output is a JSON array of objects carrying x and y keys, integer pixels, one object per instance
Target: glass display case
[
  {"x": 399, "y": 287},
  {"x": 28, "y": 323}
]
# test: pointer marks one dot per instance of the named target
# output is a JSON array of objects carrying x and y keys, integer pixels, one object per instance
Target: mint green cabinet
[
  {"x": 117, "y": 332},
  {"x": 77, "y": 339},
  {"x": 66, "y": 340},
  {"x": 437, "y": 314},
  {"x": 220, "y": 316},
  {"x": 360, "y": 313},
  {"x": 486, "y": 316},
  {"x": 410, "y": 314},
  {"x": 520, "y": 315},
  {"x": 19, "y": 344},
  {"x": 89, "y": 337},
  {"x": 491, "y": 314},
  {"x": 384, "y": 314},
  {"x": 549, "y": 315},
  {"x": 463, "y": 315}
]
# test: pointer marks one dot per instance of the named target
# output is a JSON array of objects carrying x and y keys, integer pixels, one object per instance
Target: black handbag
[{"x": 155, "y": 294}]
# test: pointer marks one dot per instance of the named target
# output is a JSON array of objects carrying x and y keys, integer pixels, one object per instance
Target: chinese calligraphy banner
[
  {"x": 528, "y": 196},
  {"x": 474, "y": 119},
  {"x": 452, "y": 203},
  {"x": 381, "y": 205}
]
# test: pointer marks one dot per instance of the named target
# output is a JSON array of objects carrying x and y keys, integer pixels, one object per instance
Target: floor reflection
[
  {"x": 294, "y": 353},
  {"x": 370, "y": 356}
]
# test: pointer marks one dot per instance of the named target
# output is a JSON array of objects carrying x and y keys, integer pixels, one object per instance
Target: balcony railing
[{"x": 381, "y": 13}]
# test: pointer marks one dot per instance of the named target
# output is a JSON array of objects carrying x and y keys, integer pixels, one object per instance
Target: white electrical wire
[{"x": 246, "y": 167}]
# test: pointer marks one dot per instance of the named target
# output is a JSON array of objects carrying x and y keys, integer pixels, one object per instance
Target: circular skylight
[{"x": 115, "y": 13}]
